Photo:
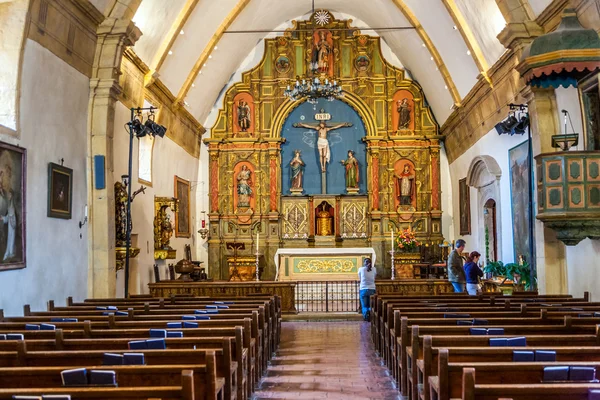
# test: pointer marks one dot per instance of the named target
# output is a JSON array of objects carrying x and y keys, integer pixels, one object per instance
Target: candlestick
[
  {"x": 393, "y": 267},
  {"x": 257, "y": 259}
]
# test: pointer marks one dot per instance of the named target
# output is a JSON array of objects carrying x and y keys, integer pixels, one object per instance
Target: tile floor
[{"x": 326, "y": 360}]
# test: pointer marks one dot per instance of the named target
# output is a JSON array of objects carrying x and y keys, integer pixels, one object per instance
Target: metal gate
[{"x": 327, "y": 296}]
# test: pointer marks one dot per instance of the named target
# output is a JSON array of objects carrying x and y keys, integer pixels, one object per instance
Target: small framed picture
[{"x": 60, "y": 191}]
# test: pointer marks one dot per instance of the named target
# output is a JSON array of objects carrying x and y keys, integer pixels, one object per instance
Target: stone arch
[
  {"x": 13, "y": 19},
  {"x": 484, "y": 175}
]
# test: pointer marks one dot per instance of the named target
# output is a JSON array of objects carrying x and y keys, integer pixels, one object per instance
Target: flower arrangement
[{"x": 406, "y": 240}]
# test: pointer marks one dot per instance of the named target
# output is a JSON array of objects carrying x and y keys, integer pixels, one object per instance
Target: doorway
[{"x": 490, "y": 224}]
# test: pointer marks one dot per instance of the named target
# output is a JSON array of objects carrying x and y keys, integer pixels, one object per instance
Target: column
[
  {"x": 114, "y": 35},
  {"x": 550, "y": 252}
]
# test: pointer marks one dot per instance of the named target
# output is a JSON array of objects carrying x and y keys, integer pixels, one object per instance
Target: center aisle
[{"x": 333, "y": 360}]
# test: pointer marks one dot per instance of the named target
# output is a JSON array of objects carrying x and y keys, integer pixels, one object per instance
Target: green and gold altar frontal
[{"x": 321, "y": 264}]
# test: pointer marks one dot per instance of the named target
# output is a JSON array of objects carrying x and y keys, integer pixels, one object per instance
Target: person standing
[
  {"x": 473, "y": 273},
  {"x": 366, "y": 274},
  {"x": 456, "y": 273}
]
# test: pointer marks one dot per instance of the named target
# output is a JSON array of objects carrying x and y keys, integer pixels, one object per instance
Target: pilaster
[{"x": 113, "y": 37}]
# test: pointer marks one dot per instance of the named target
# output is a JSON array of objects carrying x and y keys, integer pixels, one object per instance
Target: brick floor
[{"x": 326, "y": 360}]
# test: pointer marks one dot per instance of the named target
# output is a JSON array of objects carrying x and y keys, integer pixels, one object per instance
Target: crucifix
[{"x": 322, "y": 143}]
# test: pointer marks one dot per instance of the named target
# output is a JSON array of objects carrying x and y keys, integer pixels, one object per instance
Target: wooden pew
[
  {"x": 493, "y": 373},
  {"x": 206, "y": 385},
  {"x": 538, "y": 391},
  {"x": 184, "y": 391}
]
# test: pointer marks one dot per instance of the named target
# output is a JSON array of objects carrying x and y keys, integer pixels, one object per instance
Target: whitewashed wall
[
  {"x": 53, "y": 125},
  {"x": 496, "y": 146},
  {"x": 168, "y": 160}
]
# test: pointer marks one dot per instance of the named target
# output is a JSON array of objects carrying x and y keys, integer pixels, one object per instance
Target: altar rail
[
  {"x": 327, "y": 296},
  {"x": 315, "y": 296}
]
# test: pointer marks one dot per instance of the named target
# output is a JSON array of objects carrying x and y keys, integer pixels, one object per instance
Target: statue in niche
[
  {"x": 296, "y": 173},
  {"x": 167, "y": 230},
  {"x": 404, "y": 119},
  {"x": 352, "y": 176},
  {"x": 321, "y": 52},
  {"x": 243, "y": 115},
  {"x": 121, "y": 209},
  {"x": 405, "y": 183},
  {"x": 244, "y": 190},
  {"x": 322, "y": 142}
]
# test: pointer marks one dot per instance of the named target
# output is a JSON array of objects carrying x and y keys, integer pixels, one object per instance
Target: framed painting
[
  {"x": 12, "y": 206},
  {"x": 464, "y": 204},
  {"x": 60, "y": 191},
  {"x": 520, "y": 173},
  {"x": 182, "y": 216}
]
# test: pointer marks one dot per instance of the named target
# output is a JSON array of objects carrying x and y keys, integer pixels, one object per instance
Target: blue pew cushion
[
  {"x": 133, "y": 359},
  {"x": 137, "y": 345},
  {"x": 558, "y": 373},
  {"x": 47, "y": 327},
  {"x": 112, "y": 359},
  {"x": 15, "y": 336},
  {"x": 172, "y": 334},
  {"x": 463, "y": 322},
  {"x": 74, "y": 377},
  {"x": 156, "y": 344},
  {"x": 545, "y": 355},
  {"x": 580, "y": 373},
  {"x": 478, "y": 321},
  {"x": 495, "y": 331},
  {"x": 517, "y": 341},
  {"x": 523, "y": 356},
  {"x": 187, "y": 324},
  {"x": 101, "y": 377},
  {"x": 478, "y": 331},
  {"x": 32, "y": 327},
  {"x": 158, "y": 333},
  {"x": 174, "y": 325},
  {"x": 498, "y": 342}
]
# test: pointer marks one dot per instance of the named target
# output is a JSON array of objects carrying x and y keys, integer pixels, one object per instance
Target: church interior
[{"x": 257, "y": 152}]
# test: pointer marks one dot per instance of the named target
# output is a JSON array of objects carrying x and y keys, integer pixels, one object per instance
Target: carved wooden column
[
  {"x": 273, "y": 182},
  {"x": 435, "y": 179},
  {"x": 375, "y": 179},
  {"x": 114, "y": 35},
  {"x": 214, "y": 181}
]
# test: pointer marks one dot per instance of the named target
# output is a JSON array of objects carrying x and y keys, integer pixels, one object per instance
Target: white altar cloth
[{"x": 321, "y": 250}]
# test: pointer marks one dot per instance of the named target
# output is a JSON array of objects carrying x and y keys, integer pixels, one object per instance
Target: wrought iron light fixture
[{"x": 313, "y": 89}]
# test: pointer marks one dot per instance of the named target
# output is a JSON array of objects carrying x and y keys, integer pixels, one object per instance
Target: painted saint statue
[
  {"x": 243, "y": 115},
  {"x": 352, "y": 176},
  {"x": 121, "y": 209},
  {"x": 322, "y": 49},
  {"x": 403, "y": 114},
  {"x": 297, "y": 171},
  {"x": 322, "y": 142},
  {"x": 404, "y": 186},
  {"x": 243, "y": 187}
]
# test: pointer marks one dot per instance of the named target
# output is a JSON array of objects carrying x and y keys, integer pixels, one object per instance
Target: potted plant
[
  {"x": 406, "y": 241},
  {"x": 521, "y": 274}
]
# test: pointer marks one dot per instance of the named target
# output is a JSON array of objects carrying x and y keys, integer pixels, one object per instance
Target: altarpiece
[{"x": 322, "y": 174}]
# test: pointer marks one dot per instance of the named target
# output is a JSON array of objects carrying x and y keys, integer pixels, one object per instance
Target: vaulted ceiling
[{"x": 190, "y": 44}]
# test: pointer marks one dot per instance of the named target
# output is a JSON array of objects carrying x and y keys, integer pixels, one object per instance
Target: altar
[{"x": 320, "y": 264}]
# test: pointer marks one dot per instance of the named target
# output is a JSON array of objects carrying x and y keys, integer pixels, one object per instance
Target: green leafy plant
[
  {"x": 495, "y": 268},
  {"x": 521, "y": 274}
]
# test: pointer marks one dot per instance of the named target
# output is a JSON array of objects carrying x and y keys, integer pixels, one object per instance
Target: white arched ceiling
[
  {"x": 539, "y": 5},
  {"x": 156, "y": 18},
  {"x": 486, "y": 21}
]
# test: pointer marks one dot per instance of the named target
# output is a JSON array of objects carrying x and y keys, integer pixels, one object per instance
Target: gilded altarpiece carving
[{"x": 381, "y": 106}]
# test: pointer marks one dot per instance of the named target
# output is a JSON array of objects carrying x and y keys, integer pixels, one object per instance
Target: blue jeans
[
  {"x": 365, "y": 299},
  {"x": 458, "y": 287}
]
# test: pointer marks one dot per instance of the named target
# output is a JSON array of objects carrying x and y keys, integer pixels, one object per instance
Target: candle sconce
[
  {"x": 204, "y": 230},
  {"x": 85, "y": 218}
]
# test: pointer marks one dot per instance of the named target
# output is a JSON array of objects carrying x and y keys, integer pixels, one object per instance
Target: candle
[
  {"x": 392, "y": 238},
  {"x": 85, "y": 214},
  {"x": 204, "y": 223},
  {"x": 257, "y": 239}
]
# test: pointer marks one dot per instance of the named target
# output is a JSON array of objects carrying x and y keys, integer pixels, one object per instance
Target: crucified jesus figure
[{"x": 322, "y": 142}]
